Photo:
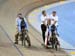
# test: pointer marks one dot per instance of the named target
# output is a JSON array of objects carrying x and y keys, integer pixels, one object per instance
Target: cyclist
[
  {"x": 54, "y": 21},
  {"x": 20, "y": 26}
]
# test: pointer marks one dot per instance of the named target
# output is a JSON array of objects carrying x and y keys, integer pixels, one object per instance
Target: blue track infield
[{"x": 66, "y": 13}]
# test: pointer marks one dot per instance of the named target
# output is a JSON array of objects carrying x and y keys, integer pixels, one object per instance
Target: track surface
[{"x": 8, "y": 12}]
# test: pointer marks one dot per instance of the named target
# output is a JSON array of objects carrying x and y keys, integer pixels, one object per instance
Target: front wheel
[{"x": 28, "y": 41}]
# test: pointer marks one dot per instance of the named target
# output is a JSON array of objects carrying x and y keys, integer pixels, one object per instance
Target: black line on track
[{"x": 20, "y": 53}]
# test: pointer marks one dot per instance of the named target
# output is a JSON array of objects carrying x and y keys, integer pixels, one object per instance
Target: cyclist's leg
[
  {"x": 21, "y": 37},
  {"x": 43, "y": 28}
]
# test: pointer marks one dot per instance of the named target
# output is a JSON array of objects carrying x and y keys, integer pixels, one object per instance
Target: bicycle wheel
[
  {"x": 28, "y": 41},
  {"x": 56, "y": 46}
]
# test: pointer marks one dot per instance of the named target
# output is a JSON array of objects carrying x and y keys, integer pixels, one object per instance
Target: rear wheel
[{"x": 28, "y": 41}]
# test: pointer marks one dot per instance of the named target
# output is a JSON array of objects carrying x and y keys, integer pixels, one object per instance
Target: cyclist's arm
[
  {"x": 56, "y": 20},
  {"x": 17, "y": 25}
]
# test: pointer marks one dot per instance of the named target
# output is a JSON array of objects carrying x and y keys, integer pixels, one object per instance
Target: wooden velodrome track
[{"x": 8, "y": 12}]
